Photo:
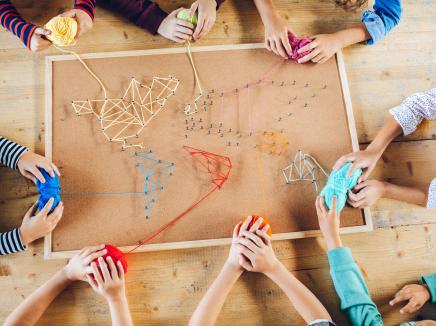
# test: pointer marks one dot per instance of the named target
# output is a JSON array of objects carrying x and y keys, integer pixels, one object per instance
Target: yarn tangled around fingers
[
  {"x": 51, "y": 188},
  {"x": 63, "y": 30},
  {"x": 116, "y": 255},
  {"x": 297, "y": 44},
  {"x": 338, "y": 185}
]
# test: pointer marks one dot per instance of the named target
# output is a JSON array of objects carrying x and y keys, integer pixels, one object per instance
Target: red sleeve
[{"x": 87, "y": 6}]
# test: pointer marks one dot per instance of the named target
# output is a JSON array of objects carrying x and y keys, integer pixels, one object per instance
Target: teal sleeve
[
  {"x": 430, "y": 281},
  {"x": 352, "y": 290}
]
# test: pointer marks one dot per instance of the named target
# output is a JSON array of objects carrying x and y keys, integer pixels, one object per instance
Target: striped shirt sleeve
[
  {"x": 87, "y": 6},
  {"x": 10, "y": 152},
  {"x": 10, "y": 242},
  {"x": 12, "y": 21}
]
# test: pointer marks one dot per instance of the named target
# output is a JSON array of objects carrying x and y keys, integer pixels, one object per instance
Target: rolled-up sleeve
[{"x": 382, "y": 19}]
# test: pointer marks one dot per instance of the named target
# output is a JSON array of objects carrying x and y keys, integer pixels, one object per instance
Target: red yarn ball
[{"x": 116, "y": 255}]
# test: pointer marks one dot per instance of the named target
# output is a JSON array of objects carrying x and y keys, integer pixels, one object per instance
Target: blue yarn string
[
  {"x": 338, "y": 185},
  {"x": 51, "y": 188}
]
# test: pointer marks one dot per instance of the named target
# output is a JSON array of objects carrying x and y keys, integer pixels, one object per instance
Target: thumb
[
  {"x": 193, "y": 8},
  {"x": 42, "y": 31},
  {"x": 30, "y": 211}
]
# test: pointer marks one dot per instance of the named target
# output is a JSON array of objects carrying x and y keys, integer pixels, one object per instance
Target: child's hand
[
  {"x": 425, "y": 323},
  {"x": 329, "y": 223},
  {"x": 176, "y": 29},
  {"x": 84, "y": 21},
  {"x": 416, "y": 294},
  {"x": 323, "y": 47},
  {"x": 29, "y": 163},
  {"x": 365, "y": 160},
  {"x": 276, "y": 37},
  {"x": 41, "y": 224},
  {"x": 79, "y": 266},
  {"x": 110, "y": 281},
  {"x": 206, "y": 16},
  {"x": 38, "y": 42},
  {"x": 367, "y": 193},
  {"x": 257, "y": 251}
]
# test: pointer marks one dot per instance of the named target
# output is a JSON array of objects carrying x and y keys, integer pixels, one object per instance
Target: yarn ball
[
  {"x": 297, "y": 44},
  {"x": 51, "y": 188},
  {"x": 184, "y": 15},
  {"x": 63, "y": 30},
  {"x": 338, "y": 185},
  {"x": 116, "y": 255},
  {"x": 253, "y": 220}
]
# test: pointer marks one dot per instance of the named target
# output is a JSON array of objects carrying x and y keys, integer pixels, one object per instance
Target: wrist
[
  {"x": 25, "y": 238},
  {"x": 117, "y": 298},
  {"x": 333, "y": 242},
  {"x": 275, "y": 268},
  {"x": 232, "y": 268}
]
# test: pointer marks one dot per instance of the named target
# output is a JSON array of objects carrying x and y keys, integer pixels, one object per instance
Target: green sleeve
[
  {"x": 430, "y": 281},
  {"x": 351, "y": 288}
]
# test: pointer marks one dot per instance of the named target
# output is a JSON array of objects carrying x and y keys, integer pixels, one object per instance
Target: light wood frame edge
[{"x": 49, "y": 254}]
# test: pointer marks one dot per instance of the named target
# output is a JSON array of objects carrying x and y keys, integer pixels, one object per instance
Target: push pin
[
  {"x": 228, "y": 144},
  {"x": 294, "y": 82},
  {"x": 314, "y": 95},
  {"x": 279, "y": 119},
  {"x": 221, "y": 124},
  {"x": 222, "y": 135},
  {"x": 289, "y": 114},
  {"x": 208, "y": 132},
  {"x": 295, "y": 97},
  {"x": 230, "y": 129},
  {"x": 212, "y": 91},
  {"x": 202, "y": 127},
  {"x": 282, "y": 84},
  {"x": 186, "y": 136},
  {"x": 307, "y": 85},
  {"x": 237, "y": 144},
  {"x": 305, "y": 105},
  {"x": 325, "y": 86}
]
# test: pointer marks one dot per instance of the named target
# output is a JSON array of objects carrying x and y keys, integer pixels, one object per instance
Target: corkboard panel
[{"x": 302, "y": 106}]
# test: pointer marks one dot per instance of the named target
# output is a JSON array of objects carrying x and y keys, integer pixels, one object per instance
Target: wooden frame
[{"x": 48, "y": 253}]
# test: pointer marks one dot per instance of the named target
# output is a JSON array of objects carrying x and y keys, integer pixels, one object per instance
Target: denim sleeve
[{"x": 382, "y": 19}]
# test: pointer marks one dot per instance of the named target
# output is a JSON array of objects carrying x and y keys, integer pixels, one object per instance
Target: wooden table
[{"x": 164, "y": 288}]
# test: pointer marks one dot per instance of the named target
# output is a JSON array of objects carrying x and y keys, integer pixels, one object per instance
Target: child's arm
[
  {"x": 276, "y": 29},
  {"x": 210, "y": 306},
  {"x": 83, "y": 12},
  {"x": 375, "y": 26},
  {"x": 109, "y": 283},
  {"x": 369, "y": 191},
  {"x": 259, "y": 257},
  {"x": 206, "y": 16},
  {"x": 347, "y": 278},
  {"x": 33, "y": 307}
]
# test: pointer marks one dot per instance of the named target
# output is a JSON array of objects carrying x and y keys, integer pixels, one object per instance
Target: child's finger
[
  {"x": 56, "y": 213},
  {"x": 91, "y": 257},
  {"x": 342, "y": 160},
  {"x": 273, "y": 47},
  {"x": 31, "y": 210},
  {"x": 44, "y": 211},
  {"x": 112, "y": 268},
  {"x": 193, "y": 8},
  {"x": 318, "y": 207},
  {"x": 91, "y": 282},
  {"x": 267, "y": 45},
  {"x": 37, "y": 174},
  {"x": 280, "y": 48},
  {"x": 182, "y": 35},
  {"x": 186, "y": 24},
  {"x": 29, "y": 176},
  {"x": 235, "y": 231},
  {"x": 245, "y": 263},
  {"x": 120, "y": 271},
  {"x": 200, "y": 24},
  {"x": 246, "y": 252},
  {"x": 309, "y": 56},
  {"x": 42, "y": 31},
  {"x": 96, "y": 273},
  {"x": 410, "y": 307},
  {"x": 55, "y": 168},
  {"x": 104, "y": 269},
  {"x": 333, "y": 205},
  {"x": 47, "y": 167},
  {"x": 248, "y": 244},
  {"x": 322, "y": 205},
  {"x": 308, "y": 47},
  {"x": 317, "y": 58},
  {"x": 245, "y": 225},
  {"x": 254, "y": 238},
  {"x": 361, "y": 185},
  {"x": 184, "y": 30},
  {"x": 206, "y": 28},
  {"x": 256, "y": 224},
  {"x": 286, "y": 44},
  {"x": 323, "y": 59},
  {"x": 266, "y": 238},
  {"x": 357, "y": 204}
]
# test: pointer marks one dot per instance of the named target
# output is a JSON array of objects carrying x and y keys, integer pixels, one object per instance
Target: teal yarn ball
[{"x": 338, "y": 185}]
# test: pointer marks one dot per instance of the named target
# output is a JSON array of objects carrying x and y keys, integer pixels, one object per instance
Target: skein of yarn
[
  {"x": 116, "y": 255},
  {"x": 297, "y": 44},
  {"x": 63, "y": 30},
  {"x": 338, "y": 185},
  {"x": 51, "y": 188}
]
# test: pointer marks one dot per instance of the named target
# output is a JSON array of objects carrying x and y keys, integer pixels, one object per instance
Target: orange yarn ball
[{"x": 253, "y": 220}]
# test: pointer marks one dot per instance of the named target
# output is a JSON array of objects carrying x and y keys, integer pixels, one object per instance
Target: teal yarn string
[
  {"x": 338, "y": 185},
  {"x": 49, "y": 189}
]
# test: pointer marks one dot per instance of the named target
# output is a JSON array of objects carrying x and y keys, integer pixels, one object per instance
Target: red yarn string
[{"x": 212, "y": 166}]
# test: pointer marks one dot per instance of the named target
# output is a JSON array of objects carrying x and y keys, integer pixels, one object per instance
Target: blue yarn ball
[
  {"x": 51, "y": 188},
  {"x": 338, "y": 185}
]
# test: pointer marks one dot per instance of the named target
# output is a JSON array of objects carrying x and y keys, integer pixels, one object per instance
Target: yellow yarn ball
[{"x": 63, "y": 30}]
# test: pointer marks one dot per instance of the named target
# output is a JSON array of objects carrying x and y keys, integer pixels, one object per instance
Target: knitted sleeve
[
  {"x": 10, "y": 242},
  {"x": 10, "y": 152},
  {"x": 87, "y": 6},
  {"x": 11, "y": 20}
]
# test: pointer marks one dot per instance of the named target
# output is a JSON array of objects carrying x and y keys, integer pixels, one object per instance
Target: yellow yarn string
[
  {"x": 63, "y": 33},
  {"x": 63, "y": 30}
]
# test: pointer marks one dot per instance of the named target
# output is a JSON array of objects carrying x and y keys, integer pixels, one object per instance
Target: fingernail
[{"x": 109, "y": 258}]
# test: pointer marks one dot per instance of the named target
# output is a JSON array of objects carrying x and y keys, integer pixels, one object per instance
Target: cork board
[{"x": 257, "y": 110}]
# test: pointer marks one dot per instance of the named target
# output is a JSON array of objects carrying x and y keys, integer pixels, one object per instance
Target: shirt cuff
[
  {"x": 151, "y": 18},
  {"x": 405, "y": 118},
  {"x": 339, "y": 256},
  {"x": 85, "y": 10},
  {"x": 431, "y": 197},
  {"x": 374, "y": 25},
  {"x": 20, "y": 242},
  {"x": 430, "y": 281}
]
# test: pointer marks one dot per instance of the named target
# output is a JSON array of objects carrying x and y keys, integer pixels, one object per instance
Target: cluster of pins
[{"x": 272, "y": 143}]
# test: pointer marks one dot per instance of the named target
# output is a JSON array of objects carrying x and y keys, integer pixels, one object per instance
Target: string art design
[
  {"x": 272, "y": 143},
  {"x": 122, "y": 119},
  {"x": 193, "y": 108},
  {"x": 218, "y": 168},
  {"x": 304, "y": 167},
  {"x": 156, "y": 173}
]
